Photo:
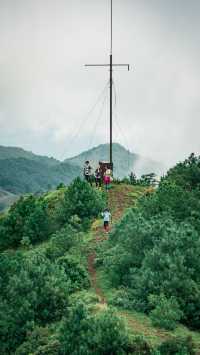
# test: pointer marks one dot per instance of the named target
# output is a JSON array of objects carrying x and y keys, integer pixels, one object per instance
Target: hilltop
[
  {"x": 24, "y": 172},
  {"x": 124, "y": 161}
]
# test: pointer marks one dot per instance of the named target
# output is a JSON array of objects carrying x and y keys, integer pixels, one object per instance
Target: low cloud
[{"x": 46, "y": 93}]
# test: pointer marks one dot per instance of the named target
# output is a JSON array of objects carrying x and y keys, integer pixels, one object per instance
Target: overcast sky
[{"x": 46, "y": 92}]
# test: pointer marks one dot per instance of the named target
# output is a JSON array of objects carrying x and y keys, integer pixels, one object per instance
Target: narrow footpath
[{"x": 119, "y": 198}]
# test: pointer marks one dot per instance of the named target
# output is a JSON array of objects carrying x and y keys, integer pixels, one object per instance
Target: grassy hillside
[{"x": 124, "y": 161}]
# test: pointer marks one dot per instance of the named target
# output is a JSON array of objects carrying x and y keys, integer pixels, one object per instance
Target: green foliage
[
  {"x": 147, "y": 180},
  {"x": 39, "y": 342},
  {"x": 37, "y": 283},
  {"x": 61, "y": 242},
  {"x": 24, "y": 175},
  {"x": 35, "y": 292},
  {"x": 177, "y": 346},
  {"x": 121, "y": 298},
  {"x": 76, "y": 272},
  {"x": 27, "y": 218},
  {"x": 140, "y": 346},
  {"x": 33, "y": 219},
  {"x": 133, "y": 179},
  {"x": 166, "y": 311},
  {"x": 186, "y": 174},
  {"x": 60, "y": 186},
  {"x": 155, "y": 248},
  {"x": 83, "y": 201},
  {"x": 99, "y": 334}
]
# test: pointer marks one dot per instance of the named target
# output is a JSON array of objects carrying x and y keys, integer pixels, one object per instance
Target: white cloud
[{"x": 45, "y": 91}]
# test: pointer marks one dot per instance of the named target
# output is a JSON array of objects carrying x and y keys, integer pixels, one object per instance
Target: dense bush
[
  {"x": 61, "y": 242},
  {"x": 27, "y": 218},
  {"x": 166, "y": 311},
  {"x": 33, "y": 219},
  {"x": 39, "y": 342},
  {"x": 75, "y": 271},
  {"x": 99, "y": 334},
  {"x": 177, "y": 346},
  {"x": 36, "y": 292},
  {"x": 186, "y": 174},
  {"x": 155, "y": 249},
  {"x": 82, "y": 201}
]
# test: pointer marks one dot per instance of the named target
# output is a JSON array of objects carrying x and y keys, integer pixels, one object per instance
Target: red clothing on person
[{"x": 106, "y": 179}]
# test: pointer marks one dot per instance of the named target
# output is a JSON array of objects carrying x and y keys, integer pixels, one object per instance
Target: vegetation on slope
[
  {"x": 15, "y": 153},
  {"x": 6, "y": 199},
  {"x": 152, "y": 255},
  {"x": 20, "y": 176},
  {"x": 149, "y": 261}
]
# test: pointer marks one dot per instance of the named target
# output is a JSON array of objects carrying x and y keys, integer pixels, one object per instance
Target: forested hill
[
  {"x": 124, "y": 161},
  {"x": 16, "y": 152},
  {"x": 23, "y": 172}
]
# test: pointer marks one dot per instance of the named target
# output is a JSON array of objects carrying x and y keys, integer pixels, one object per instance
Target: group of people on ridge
[{"x": 100, "y": 175}]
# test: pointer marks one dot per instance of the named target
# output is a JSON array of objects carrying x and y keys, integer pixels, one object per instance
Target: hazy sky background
[{"x": 45, "y": 91}]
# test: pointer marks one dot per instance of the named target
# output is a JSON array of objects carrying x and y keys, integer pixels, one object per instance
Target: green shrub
[
  {"x": 83, "y": 201},
  {"x": 61, "y": 242},
  {"x": 166, "y": 312},
  {"x": 74, "y": 271},
  {"x": 140, "y": 346},
  {"x": 121, "y": 298},
  {"x": 27, "y": 218},
  {"x": 35, "y": 294},
  {"x": 85, "y": 333},
  {"x": 39, "y": 342},
  {"x": 177, "y": 346},
  {"x": 151, "y": 254}
]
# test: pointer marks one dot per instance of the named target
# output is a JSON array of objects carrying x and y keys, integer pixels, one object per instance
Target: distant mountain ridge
[
  {"x": 124, "y": 161},
  {"x": 24, "y": 172},
  {"x": 16, "y": 152}
]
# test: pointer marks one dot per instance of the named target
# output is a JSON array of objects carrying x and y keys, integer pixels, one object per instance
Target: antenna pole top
[{"x": 110, "y": 65}]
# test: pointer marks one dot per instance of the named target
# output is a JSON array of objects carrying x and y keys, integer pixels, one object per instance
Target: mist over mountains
[
  {"x": 124, "y": 161},
  {"x": 23, "y": 172}
]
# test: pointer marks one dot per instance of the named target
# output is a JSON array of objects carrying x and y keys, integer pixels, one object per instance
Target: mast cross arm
[{"x": 108, "y": 65}]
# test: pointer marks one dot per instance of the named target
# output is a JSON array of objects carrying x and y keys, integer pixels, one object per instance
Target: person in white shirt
[{"x": 106, "y": 219}]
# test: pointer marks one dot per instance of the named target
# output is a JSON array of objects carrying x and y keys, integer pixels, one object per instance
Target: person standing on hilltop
[
  {"x": 107, "y": 179},
  {"x": 87, "y": 171},
  {"x": 98, "y": 177}
]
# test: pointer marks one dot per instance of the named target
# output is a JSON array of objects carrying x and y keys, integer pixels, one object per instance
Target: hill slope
[
  {"x": 6, "y": 199},
  {"x": 124, "y": 161},
  {"x": 15, "y": 153},
  {"x": 24, "y": 172},
  {"x": 22, "y": 175}
]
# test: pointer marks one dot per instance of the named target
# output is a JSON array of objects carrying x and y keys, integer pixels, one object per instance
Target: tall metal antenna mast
[{"x": 111, "y": 65}]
